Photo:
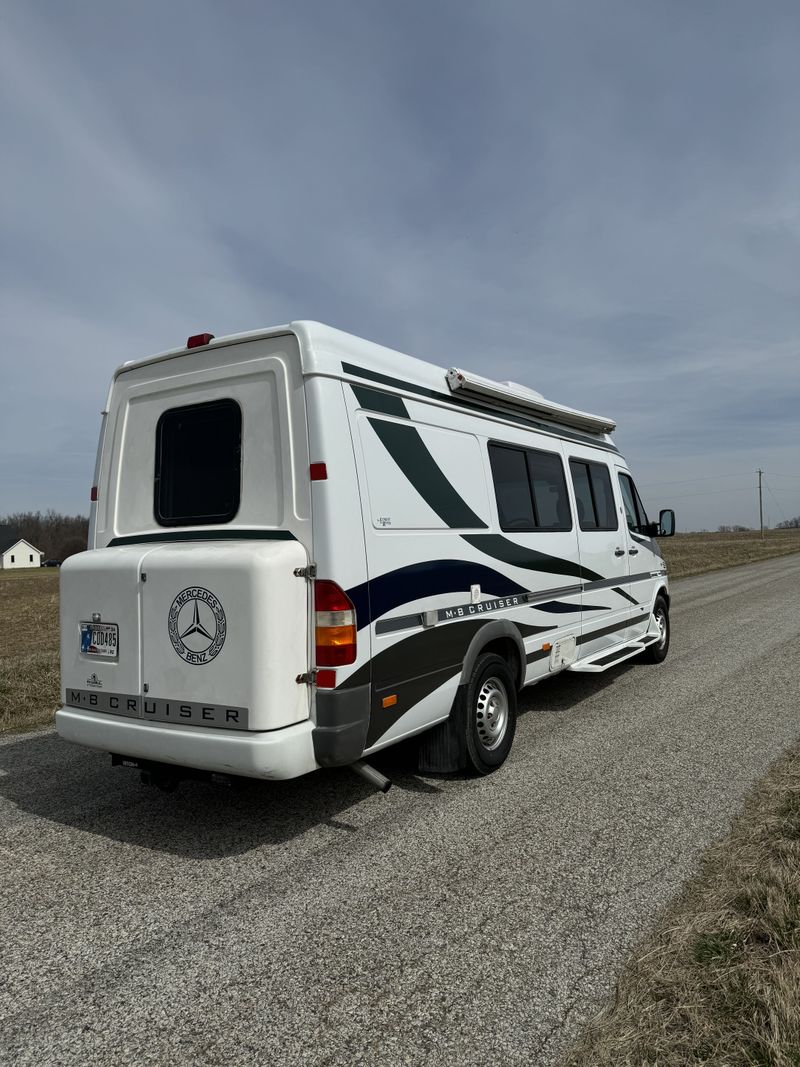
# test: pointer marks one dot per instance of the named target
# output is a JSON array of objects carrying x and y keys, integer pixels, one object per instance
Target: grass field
[
  {"x": 29, "y": 679},
  {"x": 694, "y": 553},
  {"x": 718, "y": 982}
]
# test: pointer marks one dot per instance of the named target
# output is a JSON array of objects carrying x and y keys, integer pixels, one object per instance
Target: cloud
[{"x": 597, "y": 200}]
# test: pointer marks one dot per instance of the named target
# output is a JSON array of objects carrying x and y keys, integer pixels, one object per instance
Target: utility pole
[{"x": 760, "y": 504}]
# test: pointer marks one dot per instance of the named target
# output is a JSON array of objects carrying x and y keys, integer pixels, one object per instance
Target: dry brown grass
[
  {"x": 696, "y": 553},
  {"x": 718, "y": 982},
  {"x": 29, "y": 669}
]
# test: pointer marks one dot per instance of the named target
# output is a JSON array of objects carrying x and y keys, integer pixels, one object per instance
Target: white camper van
[{"x": 305, "y": 547}]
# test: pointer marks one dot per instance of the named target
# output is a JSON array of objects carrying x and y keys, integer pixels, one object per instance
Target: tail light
[{"x": 335, "y": 622}]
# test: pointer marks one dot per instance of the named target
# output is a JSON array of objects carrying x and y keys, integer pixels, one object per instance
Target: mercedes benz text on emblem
[{"x": 197, "y": 625}]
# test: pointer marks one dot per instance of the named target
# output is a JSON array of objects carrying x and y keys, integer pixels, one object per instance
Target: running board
[{"x": 602, "y": 661}]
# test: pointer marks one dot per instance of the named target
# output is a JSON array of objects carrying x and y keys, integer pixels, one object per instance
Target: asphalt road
[{"x": 451, "y": 921}]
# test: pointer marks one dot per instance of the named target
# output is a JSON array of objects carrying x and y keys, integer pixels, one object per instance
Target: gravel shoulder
[{"x": 454, "y": 920}]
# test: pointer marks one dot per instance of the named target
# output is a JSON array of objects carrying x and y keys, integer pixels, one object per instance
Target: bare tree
[{"x": 49, "y": 531}]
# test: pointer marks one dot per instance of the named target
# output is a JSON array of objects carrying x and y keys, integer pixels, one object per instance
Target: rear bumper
[{"x": 285, "y": 753}]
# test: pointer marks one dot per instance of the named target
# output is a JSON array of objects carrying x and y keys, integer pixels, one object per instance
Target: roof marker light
[
  {"x": 318, "y": 472},
  {"x": 93, "y": 494},
  {"x": 197, "y": 340}
]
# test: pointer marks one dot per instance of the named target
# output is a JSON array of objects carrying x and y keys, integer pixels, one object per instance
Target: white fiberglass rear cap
[{"x": 511, "y": 395}]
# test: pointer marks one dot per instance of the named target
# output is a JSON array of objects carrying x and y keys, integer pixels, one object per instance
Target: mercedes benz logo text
[{"x": 197, "y": 625}]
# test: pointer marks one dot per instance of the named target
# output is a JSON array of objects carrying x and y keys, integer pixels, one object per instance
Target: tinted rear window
[{"x": 198, "y": 464}]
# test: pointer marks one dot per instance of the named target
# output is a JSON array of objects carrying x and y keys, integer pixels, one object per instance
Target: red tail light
[
  {"x": 93, "y": 494},
  {"x": 335, "y": 625}
]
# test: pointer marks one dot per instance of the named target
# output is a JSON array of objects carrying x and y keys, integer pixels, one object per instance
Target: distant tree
[
  {"x": 789, "y": 524},
  {"x": 71, "y": 547},
  {"x": 740, "y": 529},
  {"x": 50, "y": 531}
]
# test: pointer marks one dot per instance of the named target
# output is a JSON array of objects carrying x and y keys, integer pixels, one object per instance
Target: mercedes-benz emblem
[{"x": 197, "y": 625}]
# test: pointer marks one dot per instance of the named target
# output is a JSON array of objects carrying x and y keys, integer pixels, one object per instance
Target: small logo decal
[
  {"x": 197, "y": 625},
  {"x": 95, "y": 681}
]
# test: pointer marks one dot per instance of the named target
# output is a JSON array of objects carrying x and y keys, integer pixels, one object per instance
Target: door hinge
[
  {"x": 306, "y": 572},
  {"x": 309, "y": 678}
]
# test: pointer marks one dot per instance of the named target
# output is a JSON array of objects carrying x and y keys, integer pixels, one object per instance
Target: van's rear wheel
[
  {"x": 488, "y": 713},
  {"x": 657, "y": 652}
]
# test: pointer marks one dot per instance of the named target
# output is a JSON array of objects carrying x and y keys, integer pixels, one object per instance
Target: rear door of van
[{"x": 202, "y": 518}]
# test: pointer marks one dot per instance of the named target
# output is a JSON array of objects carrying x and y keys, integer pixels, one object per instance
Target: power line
[
  {"x": 681, "y": 481},
  {"x": 777, "y": 505},
  {"x": 711, "y": 492}
]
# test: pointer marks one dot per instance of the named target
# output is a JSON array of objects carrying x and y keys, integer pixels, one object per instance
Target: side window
[
  {"x": 551, "y": 503},
  {"x": 512, "y": 488},
  {"x": 594, "y": 495},
  {"x": 530, "y": 489},
  {"x": 634, "y": 509}
]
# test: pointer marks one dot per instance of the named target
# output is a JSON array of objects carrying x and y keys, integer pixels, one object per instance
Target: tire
[
  {"x": 657, "y": 652},
  {"x": 486, "y": 709}
]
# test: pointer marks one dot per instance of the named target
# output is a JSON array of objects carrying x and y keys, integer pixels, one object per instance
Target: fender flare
[{"x": 497, "y": 628}]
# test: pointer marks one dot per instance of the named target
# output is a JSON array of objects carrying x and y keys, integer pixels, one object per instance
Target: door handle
[
  {"x": 633, "y": 551},
  {"x": 619, "y": 551}
]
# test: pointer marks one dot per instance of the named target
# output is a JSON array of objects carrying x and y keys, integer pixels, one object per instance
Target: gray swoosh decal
[{"x": 410, "y": 453}]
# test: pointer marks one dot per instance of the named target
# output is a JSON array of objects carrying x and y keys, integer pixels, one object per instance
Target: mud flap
[{"x": 444, "y": 748}]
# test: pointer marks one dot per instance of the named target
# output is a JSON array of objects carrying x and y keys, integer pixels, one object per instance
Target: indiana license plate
[{"x": 100, "y": 639}]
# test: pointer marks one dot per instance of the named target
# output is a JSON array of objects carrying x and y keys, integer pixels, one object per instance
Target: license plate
[{"x": 100, "y": 639}]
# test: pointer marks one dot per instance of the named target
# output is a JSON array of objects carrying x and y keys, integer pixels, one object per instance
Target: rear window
[{"x": 198, "y": 472}]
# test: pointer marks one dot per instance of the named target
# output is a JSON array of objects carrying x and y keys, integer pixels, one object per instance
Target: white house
[{"x": 17, "y": 552}]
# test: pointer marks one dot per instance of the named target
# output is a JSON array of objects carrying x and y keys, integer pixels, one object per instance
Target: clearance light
[
  {"x": 325, "y": 679},
  {"x": 546, "y": 647},
  {"x": 93, "y": 494},
  {"x": 318, "y": 472},
  {"x": 199, "y": 339},
  {"x": 335, "y": 625},
  {"x": 389, "y": 702}
]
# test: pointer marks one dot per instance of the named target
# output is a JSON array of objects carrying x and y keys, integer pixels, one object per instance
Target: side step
[{"x": 602, "y": 661}]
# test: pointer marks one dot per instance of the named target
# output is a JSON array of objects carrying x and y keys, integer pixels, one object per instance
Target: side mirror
[{"x": 666, "y": 523}]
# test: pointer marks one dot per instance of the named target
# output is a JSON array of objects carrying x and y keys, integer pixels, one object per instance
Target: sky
[{"x": 599, "y": 200}]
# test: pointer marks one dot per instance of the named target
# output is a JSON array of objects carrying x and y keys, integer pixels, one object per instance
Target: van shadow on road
[{"x": 77, "y": 788}]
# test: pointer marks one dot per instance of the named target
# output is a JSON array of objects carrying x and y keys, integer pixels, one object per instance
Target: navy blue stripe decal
[
  {"x": 518, "y": 556},
  {"x": 374, "y": 598},
  {"x": 410, "y": 453}
]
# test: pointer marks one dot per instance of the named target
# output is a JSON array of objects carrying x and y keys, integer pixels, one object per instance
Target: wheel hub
[{"x": 491, "y": 713}]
